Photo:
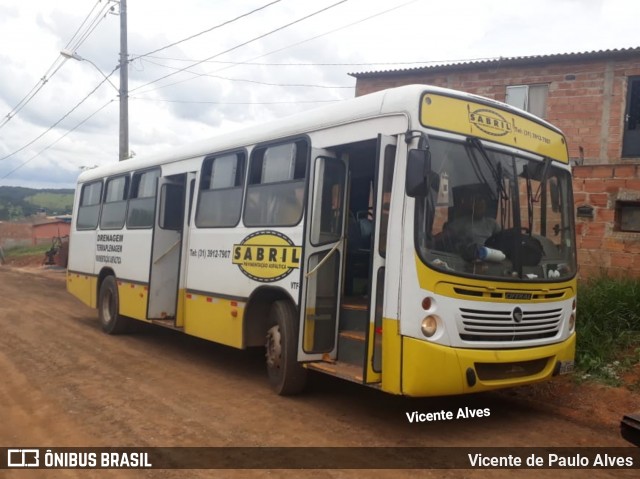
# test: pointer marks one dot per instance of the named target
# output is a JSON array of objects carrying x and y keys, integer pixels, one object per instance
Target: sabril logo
[
  {"x": 490, "y": 121},
  {"x": 267, "y": 256}
]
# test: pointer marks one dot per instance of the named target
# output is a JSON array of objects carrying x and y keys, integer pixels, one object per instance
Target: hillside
[{"x": 17, "y": 202}]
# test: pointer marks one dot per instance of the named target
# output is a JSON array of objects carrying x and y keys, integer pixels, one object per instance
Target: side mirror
[{"x": 418, "y": 172}]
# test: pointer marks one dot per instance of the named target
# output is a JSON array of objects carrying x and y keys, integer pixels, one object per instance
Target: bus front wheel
[
  {"x": 108, "y": 307},
  {"x": 286, "y": 375}
]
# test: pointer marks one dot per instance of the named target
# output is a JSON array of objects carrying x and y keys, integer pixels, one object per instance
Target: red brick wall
[
  {"x": 602, "y": 249},
  {"x": 14, "y": 234},
  {"x": 583, "y": 96},
  {"x": 43, "y": 233}
]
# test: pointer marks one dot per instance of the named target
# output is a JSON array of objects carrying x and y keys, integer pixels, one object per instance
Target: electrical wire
[
  {"x": 62, "y": 118},
  {"x": 274, "y": 51},
  {"x": 206, "y": 31},
  {"x": 55, "y": 142},
  {"x": 259, "y": 37},
  {"x": 95, "y": 22},
  {"x": 307, "y": 64},
  {"x": 68, "y": 45},
  {"x": 54, "y": 68},
  {"x": 236, "y": 103},
  {"x": 304, "y": 85}
]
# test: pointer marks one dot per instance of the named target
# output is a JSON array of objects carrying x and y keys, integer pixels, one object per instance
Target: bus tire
[
  {"x": 109, "y": 306},
  {"x": 286, "y": 375}
]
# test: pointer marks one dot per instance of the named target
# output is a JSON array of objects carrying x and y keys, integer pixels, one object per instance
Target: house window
[
  {"x": 631, "y": 136},
  {"x": 628, "y": 216},
  {"x": 531, "y": 98}
]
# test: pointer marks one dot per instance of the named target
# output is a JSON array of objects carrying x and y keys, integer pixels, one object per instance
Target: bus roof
[{"x": 404, "y": 99}]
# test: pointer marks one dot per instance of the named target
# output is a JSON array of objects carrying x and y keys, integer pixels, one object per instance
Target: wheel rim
[
  {"x": 274, "y": 348},
  {"x": 108, "y": 306}
]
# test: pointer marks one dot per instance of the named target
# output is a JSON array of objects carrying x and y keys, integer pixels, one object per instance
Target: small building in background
[
  {"x": 594, "y": 97},
  {"x": 48, "y": 228}
]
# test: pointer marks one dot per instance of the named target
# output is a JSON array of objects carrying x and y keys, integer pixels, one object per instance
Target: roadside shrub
[{"x": 608, "y": 325}]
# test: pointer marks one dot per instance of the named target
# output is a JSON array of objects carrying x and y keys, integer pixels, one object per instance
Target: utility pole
[{"x": 124, "y": 84}]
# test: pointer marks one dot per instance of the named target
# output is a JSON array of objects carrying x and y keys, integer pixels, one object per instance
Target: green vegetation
[
  {"x": 21, "y": 251},
  {"x": 56, "y": 202},
  {"x": 17, "y": 202},
  {"x": 608, "y": 324}
]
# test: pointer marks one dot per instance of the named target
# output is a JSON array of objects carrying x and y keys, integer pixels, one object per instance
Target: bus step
[
  {"x": 354, "y": 315},
  {"x": 169, "y": 323},
  {"x": 339, "y": 369},
  {"x": 351, "y": 347}
]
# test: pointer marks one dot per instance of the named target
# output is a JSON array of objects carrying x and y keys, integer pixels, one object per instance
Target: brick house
[
  {"x": 594, "y": 97},
  {"x": 45, "y": 231}
]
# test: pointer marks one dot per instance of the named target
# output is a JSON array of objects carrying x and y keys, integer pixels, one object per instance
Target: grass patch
[
  {"x": 608, "y": 324},
  {"x": 20, "y": 251}
]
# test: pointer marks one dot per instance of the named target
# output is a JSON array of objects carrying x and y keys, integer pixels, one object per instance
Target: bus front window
[{"x": 496, "y": 215}]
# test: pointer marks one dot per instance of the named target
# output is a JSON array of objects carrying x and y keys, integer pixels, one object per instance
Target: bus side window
[
  {"x": 275, "y": 193},
  {"x": 171, "y": 207},
  {"x": 89, "y": 209},
  {"x": 114, "y": 210},
  {"x": 220, "y": 192},
  {"x": 142, "y": 201}
]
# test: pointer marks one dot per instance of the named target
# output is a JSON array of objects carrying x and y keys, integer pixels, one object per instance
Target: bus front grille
[{"x": 489, "y": 325}]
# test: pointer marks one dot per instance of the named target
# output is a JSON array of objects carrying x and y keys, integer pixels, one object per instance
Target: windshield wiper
[
  {"x": 543, "y": 177},
  {"x": 497, "y": 174}
]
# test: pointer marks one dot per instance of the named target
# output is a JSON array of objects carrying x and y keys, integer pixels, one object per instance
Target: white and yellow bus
[{"x": 334, "y": 239}]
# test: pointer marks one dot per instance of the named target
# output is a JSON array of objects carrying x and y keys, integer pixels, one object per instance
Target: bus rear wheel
[
  {"x": 286, "y": 375},
  {"x": 108, "y": 307}
]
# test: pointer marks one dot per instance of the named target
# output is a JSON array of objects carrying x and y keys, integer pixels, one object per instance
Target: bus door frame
[
  {"x": 315, "y": 271},
  {"x": 166, "y": 251},
  {"x": 373, "y": 366}
]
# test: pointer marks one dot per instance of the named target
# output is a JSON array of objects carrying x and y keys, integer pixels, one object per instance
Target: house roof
[{"x": 507, "y": 61}]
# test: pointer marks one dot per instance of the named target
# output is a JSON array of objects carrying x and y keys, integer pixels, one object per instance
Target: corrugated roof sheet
[{"x": 506, "y": 61}]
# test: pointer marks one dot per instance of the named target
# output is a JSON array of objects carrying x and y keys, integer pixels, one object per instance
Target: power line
[
  {"x": 242, "y": 44},
  {"x": 384, "y": 12},
  {"x": 305, "y": 64},
  {"x": 304, "y": 85},
  {"x": 55, "y": 142},
  {"x": 238, "y": 102},
  {"x": 53, "y": 69},
  {"x": 68, "y": 45},
  {"x": 62, "y": 118},
  {"x": 207, "y": 30},
  {"x": 95, "y": 22},
  {"x": 233, "y": 64}
]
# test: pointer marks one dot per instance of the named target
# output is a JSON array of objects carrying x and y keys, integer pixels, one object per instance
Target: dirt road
[{"x": 65, "y": 383}]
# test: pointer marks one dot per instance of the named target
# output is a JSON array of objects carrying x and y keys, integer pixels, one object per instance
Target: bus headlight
[
  {"x": 429, "y": 325},
  {"x": 572, "y": 318}
]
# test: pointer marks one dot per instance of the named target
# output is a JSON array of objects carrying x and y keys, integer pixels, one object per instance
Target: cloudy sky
[{"x": 58, "y": 116}]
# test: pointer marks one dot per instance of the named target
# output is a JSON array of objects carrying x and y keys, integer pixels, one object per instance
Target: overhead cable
[
  {"x": 62, "y": 118},
  {"x": 61, "y": 137},
  {"x": 259, "y": 37},
  {"x": 205, "y": 31},
  {"x": 53, "y": 69}
]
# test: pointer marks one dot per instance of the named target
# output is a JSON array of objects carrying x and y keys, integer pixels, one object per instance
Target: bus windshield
[{"x": 495, "y": 214}]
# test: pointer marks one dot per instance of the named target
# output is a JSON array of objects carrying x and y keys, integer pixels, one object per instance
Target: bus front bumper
[{"x": 433, "y": 370}]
